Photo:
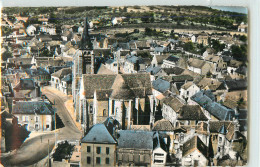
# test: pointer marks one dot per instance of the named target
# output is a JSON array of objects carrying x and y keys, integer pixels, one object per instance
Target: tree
[
  {"x": 7, "y": 54},
  {"x": 239, "y": 52},
  {"x": 243, "y": 38},
  {"x": 188, "y": 46},
  {"x": 63, "y": 151}
]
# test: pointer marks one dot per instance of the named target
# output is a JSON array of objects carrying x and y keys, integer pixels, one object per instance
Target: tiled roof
[
  {"x": 174, "y": 103},
  {"x": 163, "y": 125},
  {"x": 94, "y": 82},
  {"x": 194, "y": 144},
  {"x": 191, "y": 112},
  {"x": 62, "y": 73}
]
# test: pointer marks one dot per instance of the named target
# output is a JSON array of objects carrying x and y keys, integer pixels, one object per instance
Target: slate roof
[
  {"x": 161, "y": 85},
  {"x": 134, "y": 59},
  {"x": 214, "y": 108},
  {"x": 32, "y": 107},
  {"x": 163, "y": 125},
  {"x": 99, "y": 133},
  {"x": 192, "y": 112},
  {"x": 172, "y": 59},
  {"x": 194, "y": 144},
  {"x": 174, "y": 103},
  {"x": 179, "y": 78},
  {"x": 67, "y": 78},
  {"x": 135, "y": 82},
  {"x": 241, "y": 70},
  {"x": 110, "y": 61},
  {"x": 153, "y": 70},
  {"x": 25, "y": 84},
  {"x": 233, "y": 85},
  {"x": 62, "y": 73},
  {"x": 36, "y": 72},
  {"x": 135, "y": 139},
  {"x": 174, "y": 70}
]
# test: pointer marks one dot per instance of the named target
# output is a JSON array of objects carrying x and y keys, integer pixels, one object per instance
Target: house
[
  {"x": 112, "y": 65},
  {"x": 188, "y": 89},
  {"x": 31, "y": 29},
  {"x": 208, "y": 51},
  {"x": 218, "y": 62},
  {"x": 40, "y": 75},
  {"x": 170, "y": 62},
  {"x": 140, "y": 148},
  {"x": 203, "y": 39},
  {"x": 34, "y": 115},
  {"x": 200, "y": 66},
  {"x": 157, "y": 60},
  {"x": 170, "y": 109},
  {"x": 242, "y": 27},
  {"x": 124, "y": 97},
  {"x": 211, "y": 108},
  {"x": 98, "y": 147},
  {"x": 173, "y": 71},
  {"x": 66, "y": 84},
  {"x": 159, "y": 151},
  {"x": 195, "y": 153},
  {"x": 224, "y": 136},
  {"x": 26, "y": 88},
  {"x": 235, "y": 85},
  {"x": 166, "y": 131},
  {"x": 134, "y": 64},
  {"x": 160, "y": 86},
  {"x": 233, "y": 66},
  {"x": 56, "y": 78},
  {"x": 191, "y": 115}
]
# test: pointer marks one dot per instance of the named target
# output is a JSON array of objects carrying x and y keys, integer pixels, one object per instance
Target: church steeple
[{"x": 85, "y": 40}]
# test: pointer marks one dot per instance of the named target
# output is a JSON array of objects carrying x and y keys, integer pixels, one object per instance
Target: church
[{"x": 124, "y": 97}]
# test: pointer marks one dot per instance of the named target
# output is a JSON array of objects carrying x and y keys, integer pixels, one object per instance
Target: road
[{"x": 36, "y": 149}]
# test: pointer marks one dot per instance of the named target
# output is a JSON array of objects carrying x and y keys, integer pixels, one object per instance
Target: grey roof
[
  {"x": 25, "y": 84},
  {"x": 67, "y": 78},
  {"x": 110, "y": 61},
  {"x": 236, "y": 84},
  {"x": 161, "y": 85},
  {"x": 217, "y": 110},
  {"x": 135, "y": 139},
  {"x": 36, "y": 72},
  {"x": 33, "y": 107},
  {"x": 241, "y": 70},
  {"x": 134, "y": 59},
  {"x": 153, "y": 70},
  {"x": 99, "y": 134},
  {"x": 172, "y": 59},
  {"x": 174, "y": 70},
  {"x": 62, "y": 73}
]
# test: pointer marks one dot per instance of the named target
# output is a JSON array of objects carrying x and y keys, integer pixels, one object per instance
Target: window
[
  {"x": 104, "y": 112},
  {"x": 98, "y": 160},
  {"x": 36, "y": 119},
  {"x": 107, "y": 160},
  {"x": 220, "y": 139},
  {"x": 107, "y": 150},
  {"x": 91, "y": 109},
  {"x": 25, "y": 118},
  {"x": 98, "y": 150},
  {"x": 88, "y": 149},
  {"x": 36, "y": 127},
  {"x": 88, "y": 160},
  {"x": 52, "y": 79}
]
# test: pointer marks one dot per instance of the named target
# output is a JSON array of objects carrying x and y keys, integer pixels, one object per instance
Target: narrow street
[{"x": 36, "y": 148}]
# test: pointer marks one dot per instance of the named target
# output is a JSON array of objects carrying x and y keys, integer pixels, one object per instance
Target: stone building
[{"x": 124, "y": 97}]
